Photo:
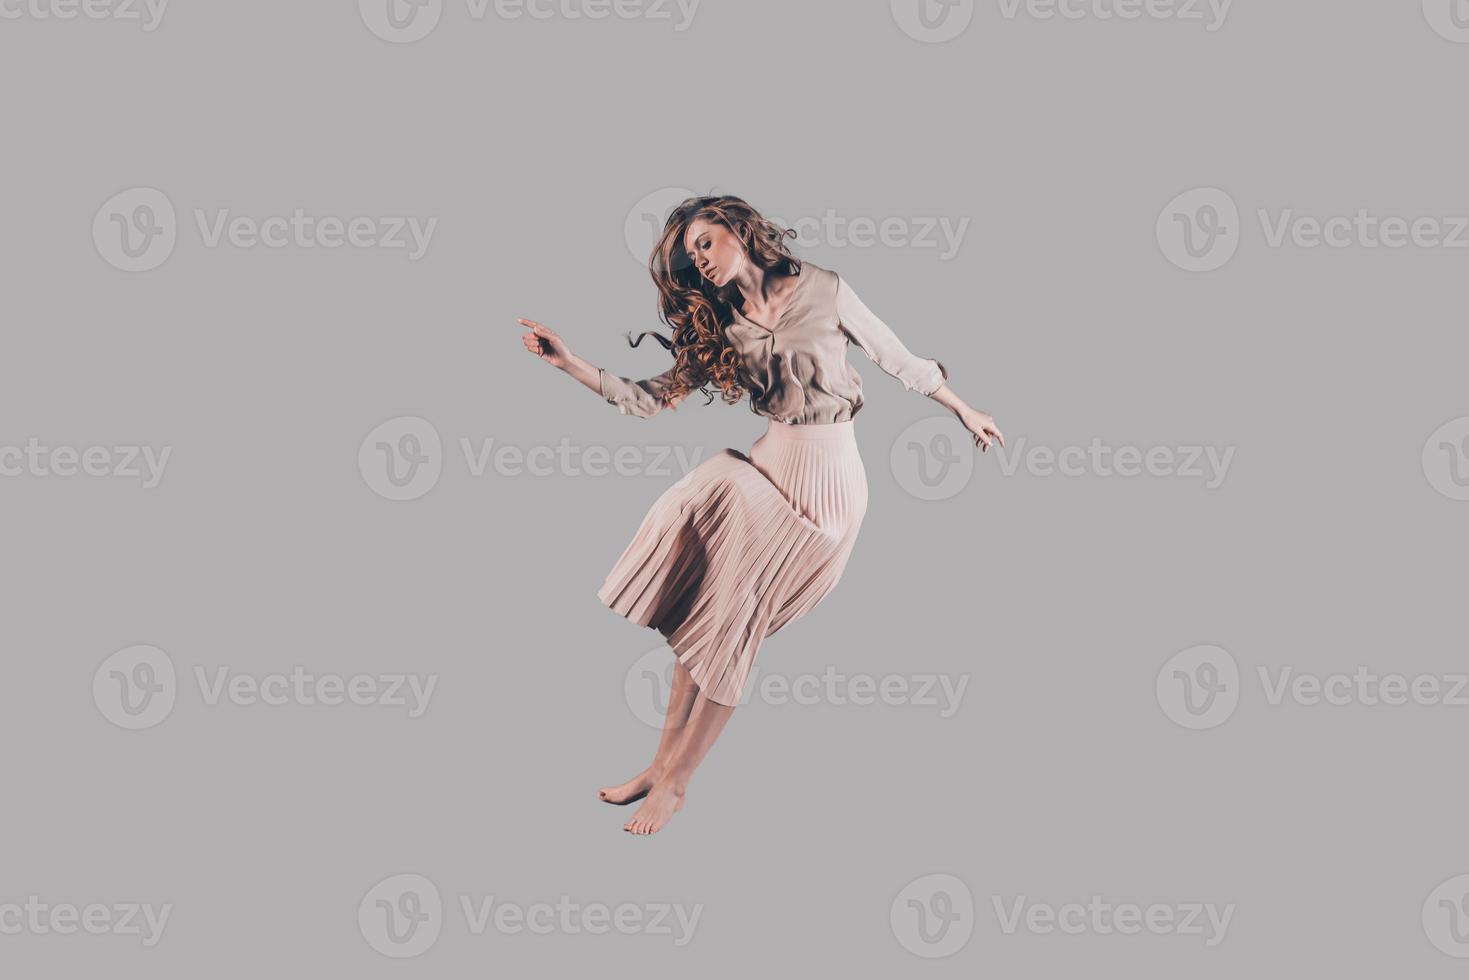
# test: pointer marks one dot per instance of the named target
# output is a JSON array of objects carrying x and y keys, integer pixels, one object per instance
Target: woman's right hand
[{"x": 546, "y": 344}]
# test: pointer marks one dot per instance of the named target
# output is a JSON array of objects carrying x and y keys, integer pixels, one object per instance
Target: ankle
[{"x": 673, "y": 781}]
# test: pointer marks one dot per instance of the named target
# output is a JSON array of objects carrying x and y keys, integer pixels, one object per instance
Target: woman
[{"x": 743, "y": 544}]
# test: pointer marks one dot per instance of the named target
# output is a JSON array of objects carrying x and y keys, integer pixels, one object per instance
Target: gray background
[{"x": 1059, "y": 777}]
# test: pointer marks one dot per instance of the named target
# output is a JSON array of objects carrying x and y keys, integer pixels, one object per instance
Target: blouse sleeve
[
  {"x": 641, "y": 398},
  {"x": 922, "y": 374}
]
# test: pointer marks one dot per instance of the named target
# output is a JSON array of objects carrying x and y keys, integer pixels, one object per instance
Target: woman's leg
[
  {"x": 705, "y": 723},
  {"x": 680, "y": 703}
]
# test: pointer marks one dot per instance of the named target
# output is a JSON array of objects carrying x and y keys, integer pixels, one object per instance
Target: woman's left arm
[
  {"x": 922, "y": 374},
  {"x": 980, "y": 424}
]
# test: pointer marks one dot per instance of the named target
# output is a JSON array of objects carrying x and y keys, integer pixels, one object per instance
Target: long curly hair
[{"x": 695, "y": 310}]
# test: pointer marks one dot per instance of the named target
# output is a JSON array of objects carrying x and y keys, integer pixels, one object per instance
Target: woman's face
[{"x": 717, "y": 253}]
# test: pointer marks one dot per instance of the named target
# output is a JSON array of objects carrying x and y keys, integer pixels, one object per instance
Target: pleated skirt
[{"x": 742, "y": 545}]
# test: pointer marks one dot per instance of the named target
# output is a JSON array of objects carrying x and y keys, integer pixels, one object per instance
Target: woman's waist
[{"x": 844, "y": 430}]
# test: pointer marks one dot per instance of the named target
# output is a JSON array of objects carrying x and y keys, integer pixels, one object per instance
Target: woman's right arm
[{"x": 642, "y": 399}]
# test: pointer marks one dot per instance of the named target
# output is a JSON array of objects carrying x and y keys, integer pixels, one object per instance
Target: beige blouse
[{"x": 797, "y": 370}]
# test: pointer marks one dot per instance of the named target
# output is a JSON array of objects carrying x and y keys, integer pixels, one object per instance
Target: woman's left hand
[{"x": 982, "y": 427}]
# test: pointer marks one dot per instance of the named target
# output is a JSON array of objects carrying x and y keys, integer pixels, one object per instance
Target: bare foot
[
  {"x": 631, "y": 791},
  {"x": 663, "y": 802}
]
